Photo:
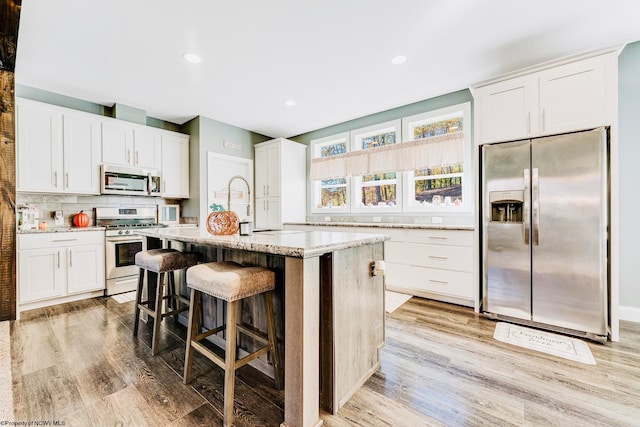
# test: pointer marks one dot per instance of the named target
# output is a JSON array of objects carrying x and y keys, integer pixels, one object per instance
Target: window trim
[
  {"x": 356, "y": 181},
  {"x": 316, "y": 185},
  {"x": 408, "y": 200}
]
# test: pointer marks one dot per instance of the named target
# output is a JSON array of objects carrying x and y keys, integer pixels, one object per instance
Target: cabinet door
[
  {"x": 261, "y": 213},
  {"x": 261, "y": 171},
  {"x": 573, "y": 97},
  {"x": 85, "y": 268},
  {"x": 117, "y": 143},
  {"x": 508, "y": 110},
  {"x": 147, "y": 148},
  {"x": 274, "y": 218},
  {"x": 175, "y": 166},
  {"x": 82, "y": 151},
  {"x": 41, "y": 273},
  {"x": 273, "y": 170},
  {"x": 39, "y": 148}
]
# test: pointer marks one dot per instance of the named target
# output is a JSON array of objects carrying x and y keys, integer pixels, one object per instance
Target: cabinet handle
[
  {"x": 529, "y": 122},
  {"x": 164, "y": 186},
  {"x": 128, "y": 156},
  {"x": 264, "y": 190},
  {"x": 58, "y": 259},
  {"x": 55, "y": 178},
  {"x": 64, "y": 240},
  {"x": 70, "y": 255},
  {"x": 136, "y": 157},
  {"x": 440, "y": 282},
  {"x": 438, "y": 238},
  {"x": 438, "y": 257},
  {"x": 66, "y": 179},
  {"x": 543, "y": 124}
]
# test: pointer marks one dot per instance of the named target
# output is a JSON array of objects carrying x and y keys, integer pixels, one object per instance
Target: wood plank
[
  {"x": 9, "y": 22},
  {"x": 302, "y": 335},
  {"x": 7, "y": 197}
]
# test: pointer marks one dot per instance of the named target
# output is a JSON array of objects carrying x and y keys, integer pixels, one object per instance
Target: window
[
  {"x": 442, "y": 188},
  {"x": 380, "y": 190},
  {"x": 330, "y": 194}
]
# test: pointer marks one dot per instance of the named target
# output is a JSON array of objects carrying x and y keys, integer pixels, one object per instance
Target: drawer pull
[
  {"x": 438, "y": 238},
  {"x": 438, "y": 257},
  {"x": 64, "y": 240},
  {"x": 440, "y": 282}
]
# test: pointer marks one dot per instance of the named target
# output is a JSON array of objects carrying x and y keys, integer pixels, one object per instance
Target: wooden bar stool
[
  {"x": 231, "y": 282},
  {"x": 161, "y": 261}
]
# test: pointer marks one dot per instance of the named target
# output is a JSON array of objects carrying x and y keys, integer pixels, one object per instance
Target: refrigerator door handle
[
  {"x": 535, "y": 206},
  {"x": 526, "y": 229}
]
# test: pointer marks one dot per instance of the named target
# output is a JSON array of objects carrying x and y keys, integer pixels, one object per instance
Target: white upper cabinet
[
  {"x": 58, "y": 151},
  {"x": 280, "y": 183},
  {"x": 147, "y": 147},
  {"x": 117, "y": 143},
  {"x": 38, "y": 147},
  {"x": 572, "y": 96},
  {"x": 175, "y": 165},
  {"x": 128, "y": 144},
  {"x": 508, "y": 110},
  {"x": 82, "y": 146}
]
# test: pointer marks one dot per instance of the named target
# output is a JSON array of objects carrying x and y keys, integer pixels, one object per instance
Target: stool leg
[
  {"x": 230, "y": 362},
  {"x": 192, "y": 330},
  {"x": 158, "y": 314},
  {"x": 172, "y": 302},
  {"x": 138, "y": 301},
  {"x": 273, "y": 338}
]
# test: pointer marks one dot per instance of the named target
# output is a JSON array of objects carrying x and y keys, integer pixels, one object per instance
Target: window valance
[{"x": 441, "y": 150}]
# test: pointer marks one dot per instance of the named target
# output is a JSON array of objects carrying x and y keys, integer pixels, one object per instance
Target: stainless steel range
[{"x": 122, "y": 243}]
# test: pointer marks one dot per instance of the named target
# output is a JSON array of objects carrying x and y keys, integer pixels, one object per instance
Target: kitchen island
[{"x": 329, "y": 308}]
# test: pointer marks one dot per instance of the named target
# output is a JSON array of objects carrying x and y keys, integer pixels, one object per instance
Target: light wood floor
[{"x": 78, "y": 363}]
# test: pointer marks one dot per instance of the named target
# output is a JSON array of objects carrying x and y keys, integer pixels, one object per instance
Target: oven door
[{"x": 120, "y": 264}]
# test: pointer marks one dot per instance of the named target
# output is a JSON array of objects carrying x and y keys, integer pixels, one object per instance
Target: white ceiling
[{"x": 333, "y": 57}]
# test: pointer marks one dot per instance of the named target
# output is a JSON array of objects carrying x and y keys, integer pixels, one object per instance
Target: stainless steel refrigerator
[{"x": 545, "y": 222}]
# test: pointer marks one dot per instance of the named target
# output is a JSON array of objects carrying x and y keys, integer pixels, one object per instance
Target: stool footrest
[
  {"x": 253, "y": 333},
  {"x": 249, "y": 357},
  {"x": 205, "y": 334},
  {"x": 147, "y": 310},
  {"x": 208, "y": 354},
  {"x": 176, "y": 311}
]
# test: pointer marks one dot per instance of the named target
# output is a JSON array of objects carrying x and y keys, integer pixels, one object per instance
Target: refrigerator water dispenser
[{"x": 506, "y": 206}]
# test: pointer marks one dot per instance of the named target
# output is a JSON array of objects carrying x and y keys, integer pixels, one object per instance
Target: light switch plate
[{"x": 327, "y": 218}]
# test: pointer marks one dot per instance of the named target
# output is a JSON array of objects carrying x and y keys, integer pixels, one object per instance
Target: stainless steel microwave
[{"x": 129, "y": 181}]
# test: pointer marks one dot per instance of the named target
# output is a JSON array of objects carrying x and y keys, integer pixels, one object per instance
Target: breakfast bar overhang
[{"x": 332, "y": 307}]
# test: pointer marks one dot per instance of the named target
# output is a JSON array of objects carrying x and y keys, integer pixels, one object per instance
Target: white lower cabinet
[
  {"x": 429, "y": 263},
  {"x": 436, "y": 264},
  {"x": 59, "y": 267}
]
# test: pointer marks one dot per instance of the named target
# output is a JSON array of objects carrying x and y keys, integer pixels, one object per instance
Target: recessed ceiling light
[
  {"x": 290, "y": 103},
  {"x": 398, "y": 59},
  {"x": 192, "y": 57}
]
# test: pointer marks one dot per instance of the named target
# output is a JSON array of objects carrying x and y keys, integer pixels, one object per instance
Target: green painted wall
[
  {"x": 629, "y": 145},
  {"x": 208, "y": 135}
]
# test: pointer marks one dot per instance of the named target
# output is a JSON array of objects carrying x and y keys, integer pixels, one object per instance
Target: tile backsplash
[{"x": 72, "y": 204}]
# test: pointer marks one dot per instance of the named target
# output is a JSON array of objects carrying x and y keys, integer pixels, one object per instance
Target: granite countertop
[
  {"x": 292, "y": 243},
  {"x": 64, "y": 229},
  {"x": 388, "y": 225}
]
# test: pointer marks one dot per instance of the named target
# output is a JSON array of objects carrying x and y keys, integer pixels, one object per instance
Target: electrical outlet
[
  {"x": 436, "y": 220},
  {"x": 327, "y": 218},
  {"x": 377, "y": 219}
]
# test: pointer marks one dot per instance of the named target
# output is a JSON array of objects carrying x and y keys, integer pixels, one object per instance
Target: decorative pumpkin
[
  {"x": 43, "y": 226},
  {"x": 223, "y": 223},
  {"x": 81, "y": 219}
]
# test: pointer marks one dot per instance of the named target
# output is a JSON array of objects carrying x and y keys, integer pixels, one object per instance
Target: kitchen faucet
[{"x": 233, "y": 178}]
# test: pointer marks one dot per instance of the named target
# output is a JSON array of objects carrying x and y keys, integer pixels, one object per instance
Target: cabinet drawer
[
  {"x": 458, "y": 258},
  {"x": 54, "y": 240},
  {"x": 442, "y": 237},
  {"x": 453, "y": 283}
]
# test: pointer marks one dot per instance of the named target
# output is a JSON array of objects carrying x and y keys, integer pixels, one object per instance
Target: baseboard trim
[{"x": 630, "y": 314}]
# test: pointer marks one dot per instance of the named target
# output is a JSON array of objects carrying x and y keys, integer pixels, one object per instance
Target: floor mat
[
  {"x": 546, "y": 342},
  {"x": 393, "y": 300}
]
